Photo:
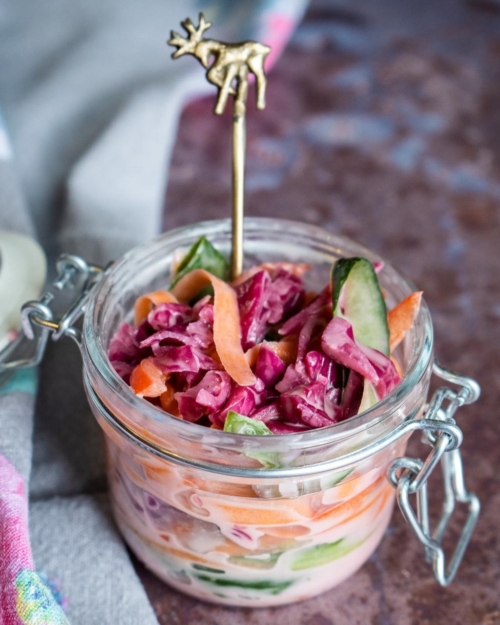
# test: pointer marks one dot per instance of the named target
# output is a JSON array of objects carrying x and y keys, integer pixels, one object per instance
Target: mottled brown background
[{"x": 382, "y": 123}]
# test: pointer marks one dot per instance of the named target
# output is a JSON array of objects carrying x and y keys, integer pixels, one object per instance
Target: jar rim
[{"x": 95, "y": 354}]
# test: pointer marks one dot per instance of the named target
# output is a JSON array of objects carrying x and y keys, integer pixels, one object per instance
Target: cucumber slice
[
  {"x": 267, "y": 586},
  {"x": 369, "y": 398},
  {"x": 355, "y": 287},
  {"x": 256, "y": 562},
  {"x": 238, "y": 424},
  {"x": 207, "y": 569},
  {"x": 323, "y": 554},
  {"x": 202, "y": 255},
  {"x": 336, "y": 478}
]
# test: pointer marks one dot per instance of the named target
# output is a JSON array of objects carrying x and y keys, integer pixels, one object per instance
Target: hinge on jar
[
  {"x": 410, "y": 475},
  {"x": 55, "y": 314}
]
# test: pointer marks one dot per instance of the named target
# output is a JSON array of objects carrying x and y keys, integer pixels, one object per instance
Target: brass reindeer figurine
[
  {"x": 230, "y": 62},
  {"x": 228, "y": 67}
]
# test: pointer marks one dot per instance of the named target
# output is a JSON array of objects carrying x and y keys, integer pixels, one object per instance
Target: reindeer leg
[
  {"x": 242, "y": 92},
  {"x": 256, "y": 64},
  {"x": 226, "y": 89},
  {"x": 216, "y": 76},
  {"x": 260, "y": 84}
]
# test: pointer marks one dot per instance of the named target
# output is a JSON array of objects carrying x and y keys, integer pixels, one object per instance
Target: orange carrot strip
[
  {"x": 357, "y": 505},
  {"x": 402, "y": 317},
  {"x": 168, "y": 401},
  {"x": 350, "y": 488},
  {"x": 264, "y": 516},
  {"x": 287, "y": 531},
  {"x": 227, "y": 332},
  {"x": 245, "y": 276},
  {"x": 286, "y": 349},
  {"x": 278, "y": 512},
  {"x": 399, "y": 369},
  {"x": 147, "y": 380},
  {"x": 191, "y": 284},
  {"x": 252, "y": 354},
  {"x": 154, "y": 468},
  {"x": 145, "y": 304},
  {"x": 296, "y": 269},
  {"x": 213, "y": 486},
  {"x": 384, "y": 499}
]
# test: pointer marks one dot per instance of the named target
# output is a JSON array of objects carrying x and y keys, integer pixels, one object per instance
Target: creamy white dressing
[{"x": 190, "y": 540}]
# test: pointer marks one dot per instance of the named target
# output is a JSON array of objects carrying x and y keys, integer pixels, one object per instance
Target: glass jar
[{"x": 243, "y": 520}]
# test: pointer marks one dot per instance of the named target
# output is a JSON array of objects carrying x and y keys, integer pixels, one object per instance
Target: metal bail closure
[
  {"x": 55, "y": 313},
  {"x": 409, "y": 476}
]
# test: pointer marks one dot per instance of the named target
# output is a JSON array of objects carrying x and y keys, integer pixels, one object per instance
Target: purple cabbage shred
[{"x": 321, "y": 384}]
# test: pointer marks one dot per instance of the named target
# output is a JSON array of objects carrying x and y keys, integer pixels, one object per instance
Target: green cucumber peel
[
  {"x": 317, "y": 485},
  {"x": 336, "y": 478},
  {"x": 202, "y": 255},
  {"x": 269, "y": 586},
  {"x": 323, "y": 554},
  {"x": 259, "y": 563},
  {"x": 364, "y": 305},
  {"x": 207, "y": 569},
  {"x": 326, "y": 482},
  {"x": 369, "y": 398},
  {"x": 238, "y": 424},
  {"x": 269, "y": 460}
]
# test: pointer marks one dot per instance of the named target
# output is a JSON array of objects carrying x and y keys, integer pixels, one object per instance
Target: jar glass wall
[{"x": 243, "y": 520}]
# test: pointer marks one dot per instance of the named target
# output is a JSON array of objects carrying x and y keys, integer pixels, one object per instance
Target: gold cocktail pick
[{"x": 228, "y": 67}]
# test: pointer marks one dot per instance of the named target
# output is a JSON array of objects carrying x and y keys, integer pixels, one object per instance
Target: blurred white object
[{"x": 23, "y": 268}]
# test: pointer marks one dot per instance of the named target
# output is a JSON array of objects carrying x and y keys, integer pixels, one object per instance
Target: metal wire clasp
[
  {"x": 409, "y": 476},
  {"x": 55, "y": 313}
]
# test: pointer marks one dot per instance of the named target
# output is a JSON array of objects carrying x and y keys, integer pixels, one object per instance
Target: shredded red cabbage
[
  {"x": 206, "y": 397},
  {"x": 183, "y": 358},
  {"x": 269, "y": 368},
  {"x": 338, "y": 342},
  {"x": 124, "y": 346},
  {"x": 317, "y": 385},
  {"x": 265, "y": 300}
]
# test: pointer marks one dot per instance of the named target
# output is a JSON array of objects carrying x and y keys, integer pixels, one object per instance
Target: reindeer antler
[
  {"x": 202, "y": 26},
  {"x": 186, "y": 46}
]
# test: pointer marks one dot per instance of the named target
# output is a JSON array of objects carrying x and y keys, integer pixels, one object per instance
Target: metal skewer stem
[
  {"x": 228, "y": 67},
  {"x": 239, "y": 145}
]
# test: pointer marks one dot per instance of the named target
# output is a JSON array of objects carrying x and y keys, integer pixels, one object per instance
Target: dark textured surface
[{"x": 383, "y": 123}]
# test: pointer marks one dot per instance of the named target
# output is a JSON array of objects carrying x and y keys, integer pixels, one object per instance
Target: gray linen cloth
[
  {"x": 74, "y": 539},
  {"x": 91, "y": 101}
]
